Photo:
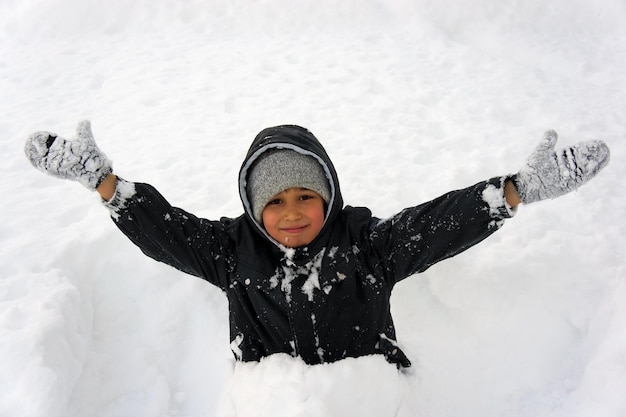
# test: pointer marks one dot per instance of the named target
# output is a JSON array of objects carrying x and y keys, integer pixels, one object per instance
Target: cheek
[
  {"x": 268, "y": 217},
  {"x": 271, "y": 227},
  {"x": 317, "y": 217}
]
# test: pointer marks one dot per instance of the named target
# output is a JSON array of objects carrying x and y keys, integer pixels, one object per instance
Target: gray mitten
[
  {"x": 78, "y": 159},
  {"x": 549, "y": 173}
]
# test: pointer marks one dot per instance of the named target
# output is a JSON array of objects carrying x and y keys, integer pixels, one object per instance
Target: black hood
[{"x": 300, "y": 140}]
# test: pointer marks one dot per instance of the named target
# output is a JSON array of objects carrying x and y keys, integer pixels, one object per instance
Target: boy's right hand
[{"x": 78, "y": 159}]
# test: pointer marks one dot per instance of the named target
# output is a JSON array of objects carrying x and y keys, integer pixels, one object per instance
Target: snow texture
[
  {"x": 550, "y": 174},
  {"x": 78, "y": 160},
  {"x": 411, "y": 99}
]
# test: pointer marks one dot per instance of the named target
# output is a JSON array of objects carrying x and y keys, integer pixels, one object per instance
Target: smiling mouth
[{"x": 294, "y": 230}]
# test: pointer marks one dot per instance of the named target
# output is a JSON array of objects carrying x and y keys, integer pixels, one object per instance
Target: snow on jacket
[{"x": 330, "y": 299}]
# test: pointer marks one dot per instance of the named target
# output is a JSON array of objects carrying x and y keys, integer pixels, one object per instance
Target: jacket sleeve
[
  {"x": 418, "y": 237},
  {"x": 170, "y": 235}
]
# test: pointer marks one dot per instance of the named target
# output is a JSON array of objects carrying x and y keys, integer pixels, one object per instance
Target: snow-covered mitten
[
  {"x": 78, "y": 159},
  {"x": 549, "y": 173}
]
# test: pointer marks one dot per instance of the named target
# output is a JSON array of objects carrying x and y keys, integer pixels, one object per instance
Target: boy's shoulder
[
  {"x": 358, "y": 211},
  {"x": 227, "y": 221},
  {"x": 356, "y": 218}
]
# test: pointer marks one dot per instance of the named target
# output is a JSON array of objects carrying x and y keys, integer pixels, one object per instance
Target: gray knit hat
[{"x": 276, "y": 171}]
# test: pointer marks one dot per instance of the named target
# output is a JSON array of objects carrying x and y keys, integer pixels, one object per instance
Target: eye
[
  {"x": 307, "y": 196},
  {"x": 274, "y": 202}
]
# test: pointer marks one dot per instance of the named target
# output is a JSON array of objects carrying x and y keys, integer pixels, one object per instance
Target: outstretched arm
[{"x": 168, "y": 234}]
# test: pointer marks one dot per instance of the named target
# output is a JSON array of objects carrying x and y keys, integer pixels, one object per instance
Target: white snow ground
[{"x": 411, "y": 99}]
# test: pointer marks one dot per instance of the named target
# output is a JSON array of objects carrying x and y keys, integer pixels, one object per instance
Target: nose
[{"x": 291, "y": 212}]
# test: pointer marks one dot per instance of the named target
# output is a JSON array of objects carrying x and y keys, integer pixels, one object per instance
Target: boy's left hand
[{"x": 549, "y": 173}]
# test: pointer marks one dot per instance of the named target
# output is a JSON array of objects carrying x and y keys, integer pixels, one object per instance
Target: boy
[{"x": 303, "y": 274}]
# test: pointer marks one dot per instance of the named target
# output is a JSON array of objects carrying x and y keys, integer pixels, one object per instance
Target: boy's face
[{"x": 294, "y": 217}]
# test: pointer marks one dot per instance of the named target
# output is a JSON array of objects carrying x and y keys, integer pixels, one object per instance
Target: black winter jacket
[{"x": 323, "y": 302}]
